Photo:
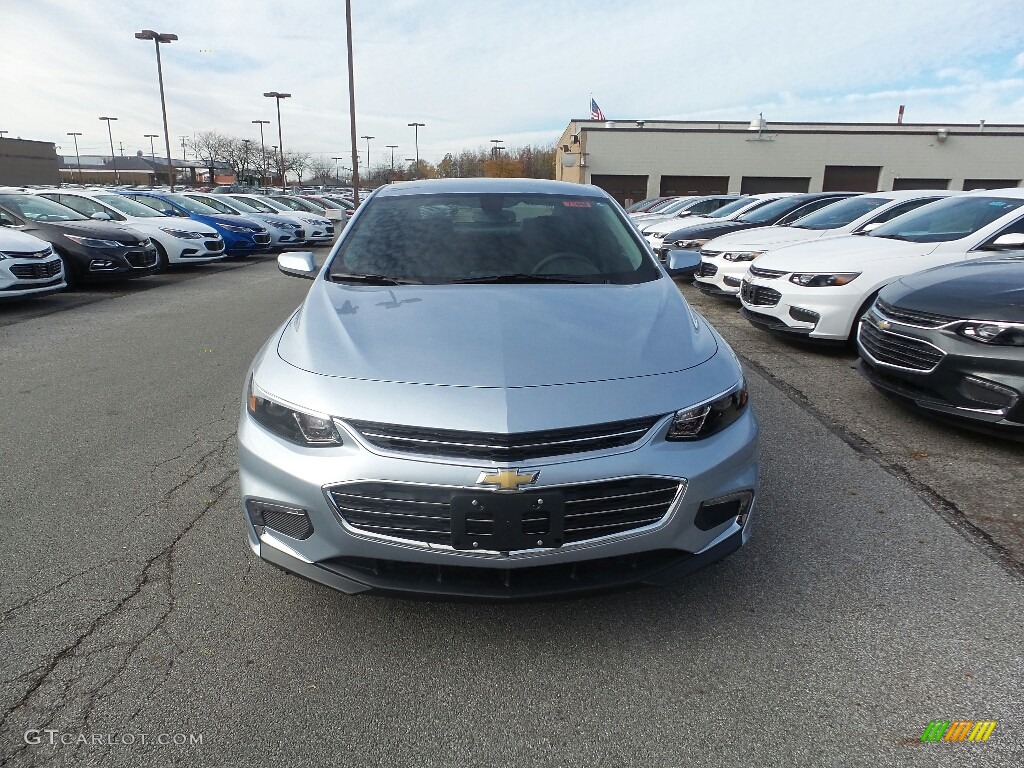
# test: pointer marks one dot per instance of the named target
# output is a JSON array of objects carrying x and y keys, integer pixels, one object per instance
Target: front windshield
[
  {"x": 839, "y": 214},
  {"x": 948, "y": 219},
  {"x": 298, "y": 204},
  {"x": 190, "y": 205},
  {"x": 674, "y": 206},
  {"x": 667, "y": 206},
  {"x": 771, "y": 212},
  {"x": 217, "y": 205},
  {"x": 34, "y": 208},
  {"x": 242, "y": 206},
  {"x": 129, "y": 207},
  {"x": 730, "y": 208},
  {"x": 257, "y": 204},
  {"x": 452, "y": 238}
]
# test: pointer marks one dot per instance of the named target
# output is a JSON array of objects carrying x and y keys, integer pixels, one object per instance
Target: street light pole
[
  {"x": 392, "y": 147},
  {"x": 336, "y": 161},
  {"x": 113, "y": 157},
  {"x": 280, "y": 140},
  {"x": 157, "y": 38},
  {"x": 367, "y": 149},
  {"x": 352, "y": 104},
  {"x": 245, "y": 156},
  {"x": 416, "y": 127},
  {"x": 152, "y": 156},
  {"x": 263, "y": 149},
  {"x": 78, "y": 157}
]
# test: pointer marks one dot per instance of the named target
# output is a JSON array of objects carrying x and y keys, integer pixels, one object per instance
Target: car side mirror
[
  {"x": 298, "y": 264},
  {"x": 1011, "y": 241},
  {"x": 682, "y": 262},
  {"x": 101, "y": 216}
]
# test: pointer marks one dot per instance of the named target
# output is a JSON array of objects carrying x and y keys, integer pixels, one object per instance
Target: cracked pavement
[{"x": 130, "y": 604}]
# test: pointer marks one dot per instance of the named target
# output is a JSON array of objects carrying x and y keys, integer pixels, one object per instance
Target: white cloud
[{"x": 519, "y": 71}]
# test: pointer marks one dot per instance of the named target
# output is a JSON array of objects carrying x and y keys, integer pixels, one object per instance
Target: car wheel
[
  {"x": 162, "y": 262},
  {"x": 851, "y": 339},
  {"x": 70, "y": 276}
]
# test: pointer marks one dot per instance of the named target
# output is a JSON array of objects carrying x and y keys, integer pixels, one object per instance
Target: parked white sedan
[
  {"x": 820, "y": 289},
  {"x": 725, "y": 259},
  {"x": 28, "y": 266}
]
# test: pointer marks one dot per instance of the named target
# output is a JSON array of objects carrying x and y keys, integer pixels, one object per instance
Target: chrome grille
[
  {"x": 422, "y": 513},
  {"x": 705, "y": 254},
  {"x": 48, "y": 251},
  {"x": 261, "y": 239},
  {"x": 706, "y": 270},
  {"x": 758, "y": 295},
  {"x": 36, "y": 271},
  {"x": 897, "y": 350},
  {"x": 518, "y": 446},
  {"x": 141, "y": 260},
  {"x": 913, "y": 317},
  {"x": 767, "y": 274}
]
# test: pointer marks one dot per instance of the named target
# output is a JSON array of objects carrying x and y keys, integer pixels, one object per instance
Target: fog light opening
[
  {"x": 804, "y": 315},
  {"x": 714, "y": 512},
  {"x": 289, "y": 521},
  {"x": 100, "y": 265}
]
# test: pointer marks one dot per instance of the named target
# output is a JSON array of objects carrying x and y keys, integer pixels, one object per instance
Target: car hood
[
  {"x": 223, "y": 218},
  {"x": 169, "y": 222},
  {"x": 20, "y": 242},
  {"x": 981, "y": 289},
  {"x": 672, "y": 224},
  {"x": 101, "y": 230},
  {"x": 763, "y": 238},
  {"x": 494, "y": 335},
  {"x": 707, "y": 231},
  {"x": 840, "y": 252}
]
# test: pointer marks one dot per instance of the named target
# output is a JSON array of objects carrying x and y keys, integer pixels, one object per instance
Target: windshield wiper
[
  {"x": 346, "y": 277},
  {"x": 519, "y": 277}
]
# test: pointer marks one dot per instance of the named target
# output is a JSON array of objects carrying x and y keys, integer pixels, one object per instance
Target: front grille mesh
[
  {"x": 913, "y": 317},
  {"x": 36, "y": 271},
  {"x": 518, "y": 446},
  {"x": 759, "y": 295},
  {"x": 897, "y": 350},
  {"x": 142, "y": 259},
  {"x": 422, "y": 513}
]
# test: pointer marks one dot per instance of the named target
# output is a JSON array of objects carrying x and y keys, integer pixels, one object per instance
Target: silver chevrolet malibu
[{"x": 493, "y": 389}]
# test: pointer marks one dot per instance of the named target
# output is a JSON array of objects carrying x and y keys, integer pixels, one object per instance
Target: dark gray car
[{"x": 91, "y": 250}]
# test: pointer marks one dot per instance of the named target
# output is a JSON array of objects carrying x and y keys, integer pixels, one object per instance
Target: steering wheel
[{"x": 569, "y": 257}]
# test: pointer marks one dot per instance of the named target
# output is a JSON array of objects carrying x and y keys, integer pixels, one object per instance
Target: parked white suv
[
  {"x": 28, "y": 266},
  {"x": 820, "y": 289},
  {"x": 178, "y": 240},
  {"x": 725, "y": 259}
]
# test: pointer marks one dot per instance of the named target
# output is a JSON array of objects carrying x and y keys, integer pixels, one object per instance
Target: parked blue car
[{"x": 241, "y": 236}]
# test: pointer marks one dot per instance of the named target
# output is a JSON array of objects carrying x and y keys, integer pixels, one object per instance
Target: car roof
[{"x": 492, "y": 186}]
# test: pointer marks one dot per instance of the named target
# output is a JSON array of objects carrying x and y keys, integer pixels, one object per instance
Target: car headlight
[
  {"x": 182, "y": 233},
  {"x": 239, "y": 229},
  {"x": 1004, "y": 334},
  {"x": 706, "y": 419},
  {"x": 300, "y": 427},
  {"x": 822, "y": 280},
  {"x": 741, "y": 255},
  {"x": 689, "y": 243},
  {"x": 92, "y": 242}
]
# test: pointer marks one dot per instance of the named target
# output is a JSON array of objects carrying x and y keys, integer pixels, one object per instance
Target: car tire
[
  {"x": 70, "y": 275},
  {"x": 851, "y": 338},
  {"x": 162, "y": 262}
]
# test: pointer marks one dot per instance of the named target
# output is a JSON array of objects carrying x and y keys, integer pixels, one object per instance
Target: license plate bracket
[{"x": 507, "y": 522}]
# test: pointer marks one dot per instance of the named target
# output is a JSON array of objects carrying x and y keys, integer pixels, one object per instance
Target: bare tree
[
  {"x": 321, "y": 169},
  {"x": 297, "y": 163},
  {"x": 211, "y": 147}
]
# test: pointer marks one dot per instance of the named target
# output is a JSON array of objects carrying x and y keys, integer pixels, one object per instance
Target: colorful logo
[{"x": 958, "y": 730}]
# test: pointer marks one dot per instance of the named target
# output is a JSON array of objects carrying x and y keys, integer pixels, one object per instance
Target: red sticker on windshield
[{"x": 575, "y": 204}]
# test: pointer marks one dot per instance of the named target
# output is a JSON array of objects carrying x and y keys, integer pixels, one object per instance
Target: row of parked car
[
  {"x": 929, "y": 284},
  {"x": 53, "y": 238}
]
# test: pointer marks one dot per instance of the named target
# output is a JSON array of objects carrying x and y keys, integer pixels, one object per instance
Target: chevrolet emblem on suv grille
[{"x": 507, "y": 479}]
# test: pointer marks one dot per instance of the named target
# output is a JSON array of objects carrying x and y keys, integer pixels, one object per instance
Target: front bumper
[
  {"x": 944, "y": 375},
  {"x": 351, "y": 560},
  {"x": 777, "y": 305},
  {"x": 30, "y": 277},
  {"x": 101, "y": 264}
]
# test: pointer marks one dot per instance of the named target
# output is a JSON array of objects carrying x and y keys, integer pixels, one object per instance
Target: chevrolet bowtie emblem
[
  {"x": 507, "y": 479},
  {"x": 882, "y": 325}
]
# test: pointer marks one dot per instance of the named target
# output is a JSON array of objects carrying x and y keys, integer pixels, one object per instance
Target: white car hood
[
  {"x": 763, "y": 238},
  {"x": 170, "y": 222},
  {"x": 20, "y": 242},
  {"x": 847, "y": 251}
]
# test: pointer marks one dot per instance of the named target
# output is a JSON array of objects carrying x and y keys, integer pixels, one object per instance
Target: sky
[{"x": 476, "y": 70}]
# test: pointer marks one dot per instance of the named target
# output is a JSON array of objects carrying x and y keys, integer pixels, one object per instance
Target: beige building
[
  {"x": 28, "y": 162},
  {"x": 637, "y": 159}
]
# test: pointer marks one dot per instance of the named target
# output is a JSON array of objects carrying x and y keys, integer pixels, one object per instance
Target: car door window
[
  {"x": 6, "y": 220},
  {"x": 899, "y": 210},
  {"x": 1016, "y": 228}
]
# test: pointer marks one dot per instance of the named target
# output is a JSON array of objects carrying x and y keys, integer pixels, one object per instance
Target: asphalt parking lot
[{"x": 882, "y": 588}]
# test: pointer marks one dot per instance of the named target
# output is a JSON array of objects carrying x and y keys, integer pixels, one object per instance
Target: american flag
[{"x": 595, "y": 111}]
